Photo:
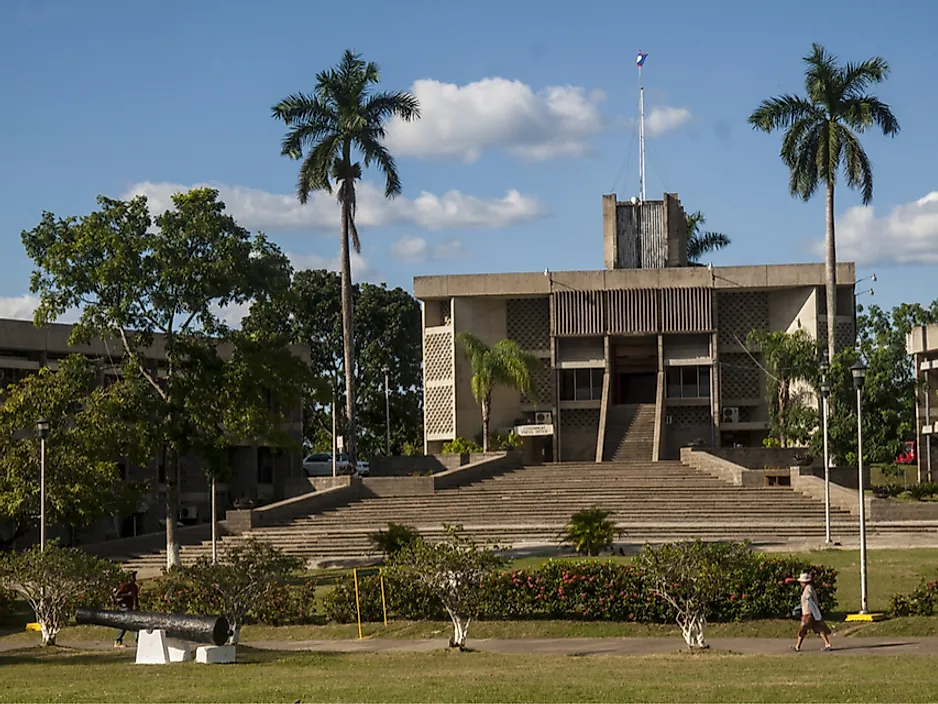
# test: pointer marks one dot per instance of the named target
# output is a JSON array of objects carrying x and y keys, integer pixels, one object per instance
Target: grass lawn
[{"x": 90, "y": 676}]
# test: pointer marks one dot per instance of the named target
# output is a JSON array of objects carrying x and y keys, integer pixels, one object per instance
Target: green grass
[{"x": 88, "y": 676}]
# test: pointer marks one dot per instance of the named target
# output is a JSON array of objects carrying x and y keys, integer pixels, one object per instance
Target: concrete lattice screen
[
  {"x": 740, "y": 313},
  {"x": 740, "y": 377},
  {"x": 528, "y": 322},
  {"x": 439, "y": 389}
]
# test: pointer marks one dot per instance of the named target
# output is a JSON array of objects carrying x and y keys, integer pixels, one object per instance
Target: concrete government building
[{"x": 638, "y": 359}]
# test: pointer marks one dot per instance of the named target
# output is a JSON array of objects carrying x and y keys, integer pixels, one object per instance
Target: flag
[{"x": 640, "y": 59}]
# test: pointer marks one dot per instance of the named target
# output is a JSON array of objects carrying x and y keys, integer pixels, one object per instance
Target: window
[
  {"x": 265, "y": 466},
  {"x": 581, "y": 384},
  {"x": 688, "y": 382}
]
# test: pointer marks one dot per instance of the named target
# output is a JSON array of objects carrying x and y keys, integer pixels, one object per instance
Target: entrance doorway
[
  {"x": 635, "y": 369},
  {"x": 638, "y": 387}
]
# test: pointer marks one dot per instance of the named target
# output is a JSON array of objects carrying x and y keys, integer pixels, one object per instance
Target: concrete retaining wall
[
  {"x": 762, "y": 457},
  {"x": 154, "y": 542},
  {"x": 424, "y": 464}
]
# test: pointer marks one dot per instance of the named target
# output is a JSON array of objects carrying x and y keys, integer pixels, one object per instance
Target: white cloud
[
  {"x": 410, "y": 249},
  {"x": 416, "y": 250},
  {"x": 496, "y": 113},
  {"x": 666, "y": 119},
  {"x": 260, "y": 210},
  {"x": 18, "y": 307},
  {"x": 451, "y": 249},
  {"x": 907, "y": 235}
]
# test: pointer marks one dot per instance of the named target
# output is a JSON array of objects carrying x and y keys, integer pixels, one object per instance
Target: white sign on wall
[{"x": 533, "y": 430}]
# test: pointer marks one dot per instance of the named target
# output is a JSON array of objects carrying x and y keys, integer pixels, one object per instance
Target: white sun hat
[{"x": 805, "y": 577}]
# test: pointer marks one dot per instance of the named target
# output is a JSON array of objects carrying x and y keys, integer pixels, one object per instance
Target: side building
[
  {"x": 637, "y": 360},
  {"x": 258, "y": 473},
  {"x": 922, "y": 345}
]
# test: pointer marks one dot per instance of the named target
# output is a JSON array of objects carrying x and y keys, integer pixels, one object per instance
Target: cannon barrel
[{"x": 200, "y": 629}]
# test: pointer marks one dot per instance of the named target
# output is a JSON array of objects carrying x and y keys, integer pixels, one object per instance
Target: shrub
[
  {"x": 803, "y": 459},
  {"x": 453, "y": 570},
  {"x": 922, "y": 601},
  {"x": 512, "y": 441},
  {"x": 590, "y": 590},
  {"x": 394, "y": 539},
  {"x": 888, "y": 491},
  {"x": 590, "y": 531},
  {"x": 460, "y": 446},
  {"x": 58, "y": 580},
  {"x": 923, "y": 491}
]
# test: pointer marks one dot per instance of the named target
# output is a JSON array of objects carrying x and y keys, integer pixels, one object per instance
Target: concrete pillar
[{"x": 610, "y": 235}]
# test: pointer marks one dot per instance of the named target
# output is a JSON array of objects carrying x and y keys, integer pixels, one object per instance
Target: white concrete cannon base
[
  {"x": 215, "y": 654},
  {"x": 154, "y": 648}
]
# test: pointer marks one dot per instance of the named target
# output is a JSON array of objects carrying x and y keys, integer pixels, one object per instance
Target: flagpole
[{"x": 641, "y": 126}]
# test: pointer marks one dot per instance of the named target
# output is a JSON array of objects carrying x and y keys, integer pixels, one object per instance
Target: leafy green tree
[
  {"x": 590, "y": 531},
  {"x": 691, "y": 576},
  {"x": 453, "y": 570},
  {"x": 821, "y": 137},
  {"x": 56, "y": 581},
  {"x": 789, "y": 358},
  {"x": 387, "y": 328},
  {"x": 340, "y": 118},
  {"x": 242, "y": 578},
  {"x": 162, "y": 289},
  {"x": 701, "y": 243},
  {"x": 91, "y": 426},
  {"x": 505, "y": 364},
  {"x": 889, "y": 391}
]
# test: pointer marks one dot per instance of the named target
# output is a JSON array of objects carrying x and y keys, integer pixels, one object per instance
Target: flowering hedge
[
  {"x": 173, "y": 592},
  {"x": 591, "y": 590},
  {"x": 923, "y": 601}
]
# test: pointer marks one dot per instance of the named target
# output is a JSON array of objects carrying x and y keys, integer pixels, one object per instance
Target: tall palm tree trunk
[
  {"x": 831, "y": 271},
  {"x": 348, "y": 334},
  {"x": 486, "y": 413}
]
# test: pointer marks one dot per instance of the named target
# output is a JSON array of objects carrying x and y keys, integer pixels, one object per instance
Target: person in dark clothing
[{"x": 127, "y": 597}]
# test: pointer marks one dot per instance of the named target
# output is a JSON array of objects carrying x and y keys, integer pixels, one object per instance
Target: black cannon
[{"x": 199, "y": 629}]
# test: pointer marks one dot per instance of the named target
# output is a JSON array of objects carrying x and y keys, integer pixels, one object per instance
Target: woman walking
[{"x": 811, "y": 618}]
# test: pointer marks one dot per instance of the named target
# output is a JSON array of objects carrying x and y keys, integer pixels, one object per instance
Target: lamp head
[
  {"x": 43, "y": 427},
  {"x": 858, "y": 371}
]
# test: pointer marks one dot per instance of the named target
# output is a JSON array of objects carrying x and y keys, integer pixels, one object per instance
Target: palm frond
[
  {"x": 822, "y": 79},
  {"x": 781, "y": 112},
  {"x": 694, "y": 221},
  {"x": 314, "y": 173},
  {"x": 703, "y": 243},
  {"x": 857, "y": 77},
  {"x": 803, "y": 177},
  {"x": 864, "y": 111},
  {"x": 513, "y": 367},
  {"x": 375, "y": 152},
  {"x": 303, "y": 108},
  {"x": 857, "y": 165},
  {"x": 383, "y": 106}
]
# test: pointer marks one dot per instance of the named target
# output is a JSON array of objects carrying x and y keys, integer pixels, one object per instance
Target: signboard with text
[{"x": 535, "y": 430}]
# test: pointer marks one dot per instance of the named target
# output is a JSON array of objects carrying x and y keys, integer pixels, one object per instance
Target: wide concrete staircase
[
  {"x": 528, "y": 508},
  {"x": 630, "y": 433}
]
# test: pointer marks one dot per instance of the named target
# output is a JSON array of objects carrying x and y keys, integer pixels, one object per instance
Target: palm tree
[
  {"x": 505, "y": 364},
  {"x": 821, "y": 136},
  {"x": 701, "y": 243},
  {"x": 340, "y": 120}
]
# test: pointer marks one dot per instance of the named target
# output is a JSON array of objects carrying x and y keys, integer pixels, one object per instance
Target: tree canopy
[
  {"x": 91, "y": 427},
  {"x": 159, "y": 287},
  {"x": 387, "y": 327},
  {"x": 700, "y": 242}
]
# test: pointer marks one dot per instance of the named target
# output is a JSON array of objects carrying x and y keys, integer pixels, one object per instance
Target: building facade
[
  {"x": 648, "y": 337},
  {"x": 922, "y": 345},
  {"x": 258, "y": 473}
]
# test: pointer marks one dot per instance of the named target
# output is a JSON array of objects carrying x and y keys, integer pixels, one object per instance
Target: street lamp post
[
  {"x": 859, "y": 376},
  {"x": 387, "y": 409},
  {"x": 43, "y": 428},
  {"x": 825, "y": 395}
]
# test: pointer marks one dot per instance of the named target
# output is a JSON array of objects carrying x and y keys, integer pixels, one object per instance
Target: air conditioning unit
[
  {"x": 731, "y": 414},
  {"x": 669, "y": 420},
  {"x": 188, "y": 513},
  {"x": 542, "y": 418}
]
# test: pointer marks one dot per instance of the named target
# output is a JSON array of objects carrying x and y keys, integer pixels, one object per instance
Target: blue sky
[{"x": 529, "y": 112}]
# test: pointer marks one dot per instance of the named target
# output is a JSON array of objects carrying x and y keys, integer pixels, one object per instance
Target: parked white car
[{"x": 319, "y": 464}]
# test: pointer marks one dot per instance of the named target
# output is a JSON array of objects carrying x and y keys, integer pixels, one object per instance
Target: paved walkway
[{"x": 574, "y": 646}]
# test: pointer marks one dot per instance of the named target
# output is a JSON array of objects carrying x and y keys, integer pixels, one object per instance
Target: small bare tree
[
  {"x": 242, "y": 578},
  {"x": 692, "y": 576},
  {"x": 452, "y": 569},
  {"x": 56, "y": 581}
]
